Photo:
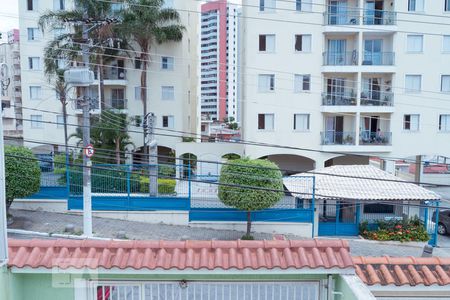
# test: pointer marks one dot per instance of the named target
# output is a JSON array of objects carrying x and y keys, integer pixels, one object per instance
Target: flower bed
[{"x": 409, "y": 230}]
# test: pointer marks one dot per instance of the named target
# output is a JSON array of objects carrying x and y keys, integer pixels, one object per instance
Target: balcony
[
  {"x": 118, "y": 104},
  {"x": 340, "y": 58},
  {"x": 381, "y": 138},
  {"x": 113, "y": 76},
  {"x": 345, "y": 99},
  {"x": 332, "y": 137},
  {"x": 379, "y": 17},
  {"x": 347, "y": 17},
  {"x": 377, "y": 98},
  {"x": 378, "y": 58}
]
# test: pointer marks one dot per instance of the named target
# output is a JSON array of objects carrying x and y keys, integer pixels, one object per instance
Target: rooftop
[
  {"x": 181, "y": 255},
  {"x": 345, "y": 182}
]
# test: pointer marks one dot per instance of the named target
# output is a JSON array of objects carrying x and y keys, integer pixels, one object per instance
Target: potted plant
[{"x": 348, "y": 140}]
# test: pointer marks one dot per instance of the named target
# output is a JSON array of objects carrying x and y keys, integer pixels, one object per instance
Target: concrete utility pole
[
  {"x": 149, "y": 130},
  {"x": 3, "y": 234}
]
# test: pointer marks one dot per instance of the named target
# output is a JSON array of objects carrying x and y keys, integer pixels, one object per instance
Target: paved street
[{"x": 40, "y": 221}]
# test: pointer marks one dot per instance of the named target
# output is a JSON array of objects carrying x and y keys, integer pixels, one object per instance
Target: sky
[{"x": 9, "y": 16}]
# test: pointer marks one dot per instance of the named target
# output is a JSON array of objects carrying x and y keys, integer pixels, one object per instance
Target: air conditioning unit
[{"x": 79, "y": 77}]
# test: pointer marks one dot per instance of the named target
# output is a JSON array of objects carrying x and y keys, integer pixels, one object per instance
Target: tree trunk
[
  {"x": 118, "y": 151},
  {"x": 144, "y": 96},
  {"x": 249, "y": 222},
  {"x": 66, "y": 139},
  {"x": 101, "y": 81}
]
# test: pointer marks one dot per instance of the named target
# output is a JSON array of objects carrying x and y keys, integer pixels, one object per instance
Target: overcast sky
[{"x": 9, "y": 18}]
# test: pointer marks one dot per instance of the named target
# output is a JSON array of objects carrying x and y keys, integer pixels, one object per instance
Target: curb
[{"x": 60, "y": 235}]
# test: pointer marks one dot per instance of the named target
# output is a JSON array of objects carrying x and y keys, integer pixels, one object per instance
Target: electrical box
[{"x": 79, "y": 77}]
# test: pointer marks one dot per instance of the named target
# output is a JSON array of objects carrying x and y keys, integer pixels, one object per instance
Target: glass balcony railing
[
  {"x": 340, "y": 58},
  {"x": 379, "y": 17},
  {"x": 118, "y": 103},
  {"x": 347, "y": 17},
  {"x": 368, "y": 137},
  {"x": 378, "y": 58},
  {"x": 112, "y": 74},
  {"x": 332, "y": 99},
  {"x": 333, "y": 137},
  {"x": 377, "y": 98}
]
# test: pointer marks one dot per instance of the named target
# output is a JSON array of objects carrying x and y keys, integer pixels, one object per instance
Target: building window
[
  {"x": 59, "y": 5},
  {"x": 267, "y": 5},
  {"x": 447, "y": 5},
  {"x": 444, "y": 122},
  {"x": 265, "y": 121},
  {"x": 415, "y": 43},
  {"x": 33, "y": 34},
  {"x": 446, "y": 43},
  {"x": 267, "y": 42},
  {"x": 137, "y": 93},
  {"x": 303, "y": 42},
  {"x": 266, "y": 83},
  {"x": 167, "y": 63},
  {"x": 416, "y": 5},
  {"x": 413, "y": 83},
  {"x": 137, "y": 63},
  {"x": 301, "y": 122},
  {"x": 167, "y": 93},
  {"x": 411, "y": 122},
  {"x": 303, "y": 5},
  {"x": 34, "y": 63},
  {"x": 31, "y": 4},
  {"x": 35, "y": 92},
  {"x": 59, "y": 121},
  {"x": 167, "y": 121},
  {"x": 445, "y": 83},
  {"x": 36, "y": 121},
  {"x": 123, "y": 291},
  {"x": 377, "y": 208},
  {"x": 302, "y": 83}
]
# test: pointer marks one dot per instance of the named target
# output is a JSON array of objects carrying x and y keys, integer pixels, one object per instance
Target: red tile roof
[
  {"x": 180, "y": 254},
  {"x": 403, "y": 270}
]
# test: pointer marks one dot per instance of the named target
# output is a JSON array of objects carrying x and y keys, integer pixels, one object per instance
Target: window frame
[
  {"x": 271, "y": 87},
  {"x": 410, "y": 123},
  {"x": 262, "y": 121},
  {"x": 169, "y": 65},
  {"x": 447, "y": 76},
  {"x": 172, "y": 88},
  {"x": 36, "y": 124},
  {"x": 444, "y": 50},
  {"x": 382, "y": 208},
  {"x": 31, "y": 64},
  {"x": 299, "y": 85},
  {"x": 302, "y": 43},
  {"x": 60, "y": 123},
  {"x": 446, "y": 130},
  {"x": 170, "y": 121},
  {"x": 413, "y": 91},
  {"x": 308, "y": 122},
  {"x": 266, "y": 48},
  {"x": 408, "y": 50},
  {"x": 39, "y": 92},
  {"x": 415, "y": 6},
  {"x": 304, "y": 5},
  {"x": 35, "y": 34}
]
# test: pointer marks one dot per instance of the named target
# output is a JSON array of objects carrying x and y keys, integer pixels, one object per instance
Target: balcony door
[
  {"x": 371, "y": 90},
  {"x": 335, "y": 90},
  {"x": 117, "y": 98},
  {"x": 373, "y": 52},
  {"x": 336, "y": 52},
  {"x": 334, "y": 127},
  {"x": 338, "y": 12},
  {"x": 369, "y": 128},
  {"x": 373, "y": 14}
]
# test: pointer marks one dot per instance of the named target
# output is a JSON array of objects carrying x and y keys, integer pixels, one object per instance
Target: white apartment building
[
  {"x": 172, "y": 82},
  {"x": 219, "y": 50},
  {"x": 366, "y": 77},
  {"x": 11, "y": 97}
]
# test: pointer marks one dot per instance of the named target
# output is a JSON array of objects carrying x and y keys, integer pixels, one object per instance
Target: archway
[
  {"x": 347, "y": 160},
  {"x": 188, "y": 164},
  {"x": 231, "y": 156},
  {"x": 290, "y": 163}
]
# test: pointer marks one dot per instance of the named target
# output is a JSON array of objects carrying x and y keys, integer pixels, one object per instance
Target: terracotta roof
[
  {"x": 342, "y": 182},
  {"x": 181, "y": 255},
  {"x": 403, "y": 270}
]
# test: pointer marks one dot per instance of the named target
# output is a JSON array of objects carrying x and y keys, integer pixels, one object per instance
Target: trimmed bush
[
  {"x": 165, "y": 186},
  {"x": 408, "y": 230}
]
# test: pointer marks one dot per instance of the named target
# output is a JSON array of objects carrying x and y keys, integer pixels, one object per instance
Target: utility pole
[
  {"x": 3, "y": 234},
  {"x": 149, "y": 134}
]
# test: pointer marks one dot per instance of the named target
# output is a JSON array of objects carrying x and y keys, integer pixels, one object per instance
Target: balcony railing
[
  {"x": 332, "y": 137},
  {"x": 340, "y": 58},
  {"x": 118, "y": 103},
  {"x": 330, "y": 99},
  {"x": 379, "y": 17},
  {"x": 112, "y": 74},
  {"x": 382, "y": 138},
  {"x": 378, "y": 58},
  {"x": 377, "y": 98},
  {"x": 348, "y": 17}
]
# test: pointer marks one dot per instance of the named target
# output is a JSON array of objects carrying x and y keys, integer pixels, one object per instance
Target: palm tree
[{"x": 146, "y": 22}]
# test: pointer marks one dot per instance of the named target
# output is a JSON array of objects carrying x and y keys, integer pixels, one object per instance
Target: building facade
[
  {"x": 171, "y": 82},
  {"x": 11, "y": 95},
  {"x": 345, "y": 77},
  {"x": 219, "y": 60}
]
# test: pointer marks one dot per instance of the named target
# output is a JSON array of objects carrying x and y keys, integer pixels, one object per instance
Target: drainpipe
[{"x": 330, "y": 287}]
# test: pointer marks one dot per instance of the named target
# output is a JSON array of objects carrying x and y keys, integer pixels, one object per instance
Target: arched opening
[
  {"x": 231, "y": 156},
  {"x": 291, "y": 164},
  {"x": 166, "y": 155},
  {"x": 189, "y": 164},
  {"x": 347, "y": 160}
]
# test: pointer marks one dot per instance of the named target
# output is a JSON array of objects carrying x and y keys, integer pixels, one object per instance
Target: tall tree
[{"x": 146, "y": 22}]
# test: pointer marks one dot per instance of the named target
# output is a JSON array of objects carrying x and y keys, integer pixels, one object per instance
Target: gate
[{"x": 338, "y": 218}]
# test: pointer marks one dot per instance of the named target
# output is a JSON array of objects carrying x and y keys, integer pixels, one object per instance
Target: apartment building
[
  {"x": 11, "y": 95},
  {"x": 219, "y": 57},
  {"x": 366, "y": 77},
  {"x": 172, "y": 81}
]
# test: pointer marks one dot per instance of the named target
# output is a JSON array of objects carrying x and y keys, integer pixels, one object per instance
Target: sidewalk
[{"x": 40, "y": 221}]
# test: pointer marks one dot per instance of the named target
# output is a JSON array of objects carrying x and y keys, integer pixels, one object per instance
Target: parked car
[{"x": 443, "y": 221}]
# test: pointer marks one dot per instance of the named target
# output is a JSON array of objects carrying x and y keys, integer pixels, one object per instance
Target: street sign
[{"x": 89, "y": 151}]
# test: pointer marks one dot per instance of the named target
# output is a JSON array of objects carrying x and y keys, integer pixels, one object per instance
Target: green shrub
[
  {"x": 165, "y": 186},
  {"x": 396, "y": 230}
]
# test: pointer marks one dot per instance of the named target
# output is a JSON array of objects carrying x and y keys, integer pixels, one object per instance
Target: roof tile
[{"x": 180, "y": 254}]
